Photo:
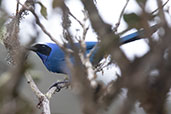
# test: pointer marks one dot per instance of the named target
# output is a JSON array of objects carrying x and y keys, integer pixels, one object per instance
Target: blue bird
[{"x": 53, "y": 56}]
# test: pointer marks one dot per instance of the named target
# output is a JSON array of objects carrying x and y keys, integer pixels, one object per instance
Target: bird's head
[{"x": 42, "y": 50}]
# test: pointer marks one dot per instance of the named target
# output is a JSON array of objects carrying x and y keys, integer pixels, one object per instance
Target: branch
[
  {"x": 76, "y": 19},
  {"x": 109, "y": 41},
  {"x": 119, "y": 20},
  {"x": 159, "y": 7},
  {"x": 43, "y": 98},
  {"x": 17, "y": 8},
  {"x": 43, "y": 28}
]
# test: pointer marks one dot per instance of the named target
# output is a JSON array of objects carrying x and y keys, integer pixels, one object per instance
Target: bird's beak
[{"x": 32, "y": 48}]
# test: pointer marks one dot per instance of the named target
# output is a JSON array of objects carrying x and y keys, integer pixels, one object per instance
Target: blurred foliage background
[{"x": 142, "y": 87}]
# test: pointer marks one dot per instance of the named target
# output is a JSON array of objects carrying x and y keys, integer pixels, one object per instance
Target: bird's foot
[{"x": 60, "y": 85}]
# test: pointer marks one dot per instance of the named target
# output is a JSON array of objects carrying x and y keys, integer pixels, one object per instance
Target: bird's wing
[{"x": 90, "y": 45}]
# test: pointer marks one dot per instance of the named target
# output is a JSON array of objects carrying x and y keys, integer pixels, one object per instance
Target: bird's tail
[
  {"x": 123, "y": 40},
  {"x": 137, "y": 35}
]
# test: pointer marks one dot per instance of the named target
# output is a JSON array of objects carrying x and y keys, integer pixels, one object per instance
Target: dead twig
[
  {"x": 120, "y": 17},
  {"x": 43, "y": 28},
  {"x": 43, "y": 99}
]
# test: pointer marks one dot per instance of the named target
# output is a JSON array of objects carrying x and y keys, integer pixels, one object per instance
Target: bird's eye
[
  {"x": 43, "y": 46},
  {"x": 42, "y": 49}
]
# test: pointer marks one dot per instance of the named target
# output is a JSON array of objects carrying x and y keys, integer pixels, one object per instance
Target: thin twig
[
  {"x": 44, "y": 29},
  {"x": 92, "y": 50},
  {"x": 76, "y": 19},
  {"x": 17, "y": 9},
  {"x": 119, "y": 20},
  {"x": 160, "y": 7}
]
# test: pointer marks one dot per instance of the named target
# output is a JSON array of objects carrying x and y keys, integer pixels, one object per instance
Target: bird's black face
[{"x": 41, "y": 48}]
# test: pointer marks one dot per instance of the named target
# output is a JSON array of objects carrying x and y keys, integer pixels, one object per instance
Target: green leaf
[
  {"x": 142, "y": 1},
  {"x": 57, "y": 3},
  {"x": 43, "y": 10},
  {"x": 133, "y": 20}
]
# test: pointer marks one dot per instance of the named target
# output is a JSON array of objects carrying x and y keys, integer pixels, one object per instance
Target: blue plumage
[
  {"x": 53, "y": 57},
  {"x": 55, "y": 61}
]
